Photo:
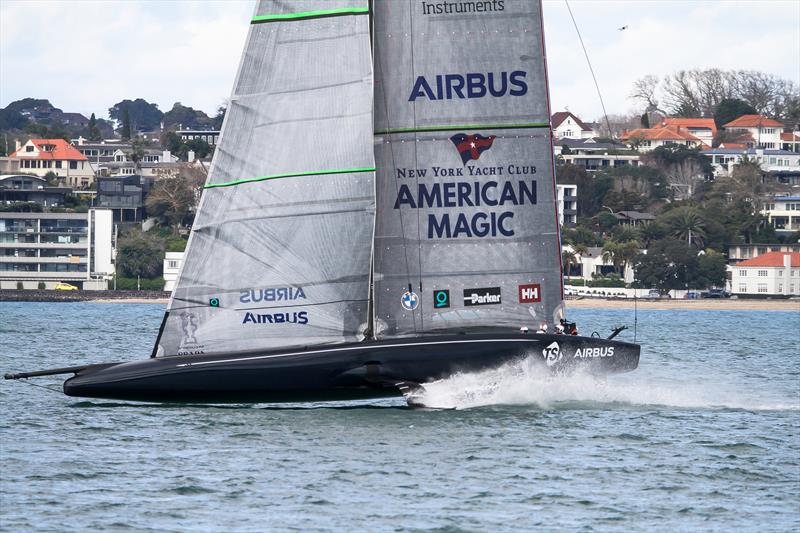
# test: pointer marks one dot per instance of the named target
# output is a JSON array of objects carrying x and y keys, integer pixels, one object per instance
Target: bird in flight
[{"x": 625, "y": 27}]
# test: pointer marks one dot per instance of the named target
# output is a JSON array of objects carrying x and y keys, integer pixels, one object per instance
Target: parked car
[
  {"x": 716, "y": 293},
  {"x": 61, "y": 286},
  {"x": 691, "y": 295}
]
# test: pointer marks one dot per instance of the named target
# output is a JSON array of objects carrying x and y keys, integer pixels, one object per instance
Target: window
[
  {"x": 742, "y": 272},
  {"x": 780, "y": 287},
  {"x": 762, "y": 273},
  {"x": 768, "y": 130},
  {"x": 73, "y": 165},
  {"x": 762, "y": 287},
  {"x": 172, "y": 264},
  {"x": 29, "y": 148},
  {"x": 743, "y": 287}
]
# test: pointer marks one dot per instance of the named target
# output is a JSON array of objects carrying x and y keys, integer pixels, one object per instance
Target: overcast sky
[{"x": 87, "y": 55}]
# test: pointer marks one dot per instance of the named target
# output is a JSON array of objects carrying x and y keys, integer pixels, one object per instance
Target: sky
[{"x": 86, "y": 55}]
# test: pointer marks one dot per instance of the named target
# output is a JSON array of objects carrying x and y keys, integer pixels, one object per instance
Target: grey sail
[
  {"x": 466, "y": 233},
  {"x": 280, "y": 250}
]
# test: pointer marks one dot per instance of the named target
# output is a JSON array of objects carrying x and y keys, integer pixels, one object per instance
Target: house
[
  {"x": 770, "y": 274},
  {"x": 42, "y": 156},
  {"x": 172, "y": 266},
  {"x": 567, "y": 204},
  {"x": 27, "y": 188},
  {"x": 790, "y": 141},
  {"x": 592, "y": 263},
  {"x": 703, "y": 128},
  {"x": 740, "y": 252},
  {"x": 593, "y": 155},
  {"x": 567, "y": 126},
  {"x": 757, "y": 131},
  {"x": 783, "y": 165},
  {"x": 633, "y": 218},
  {"x": 647, "y": 139},
  {"x": 209, "y": 136},
  {"x": 783, "y": 213},
  {"x": 48, "y": 248},
  {"x": 124, "y": 196}
]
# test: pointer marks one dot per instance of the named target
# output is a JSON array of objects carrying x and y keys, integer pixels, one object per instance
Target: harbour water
[{"x": 704, "y": 436}]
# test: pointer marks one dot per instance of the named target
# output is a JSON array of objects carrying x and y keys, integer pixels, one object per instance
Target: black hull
[{"x": 354, "y": 371}]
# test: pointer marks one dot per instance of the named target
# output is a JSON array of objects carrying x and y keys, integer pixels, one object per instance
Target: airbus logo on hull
[
  {"x": 588, "y": 353},
  {"x": 470, "y": 85}
]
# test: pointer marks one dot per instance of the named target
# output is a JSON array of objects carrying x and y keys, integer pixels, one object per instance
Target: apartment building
[
  {"x": 48, "y": 248},
  {"x": 567, "y": 203},
  {"x": 770, "y": 274}
]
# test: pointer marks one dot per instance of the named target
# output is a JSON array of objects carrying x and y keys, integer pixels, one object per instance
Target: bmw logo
[{"x": 409, "y": 300}]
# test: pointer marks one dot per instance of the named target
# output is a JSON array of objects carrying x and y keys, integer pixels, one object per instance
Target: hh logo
[{"x": 529, "y": 294}]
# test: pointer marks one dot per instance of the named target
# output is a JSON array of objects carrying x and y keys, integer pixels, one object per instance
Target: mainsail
[
  {"x": 280, "y": 249},
  {"x": 466, "y": 234}
]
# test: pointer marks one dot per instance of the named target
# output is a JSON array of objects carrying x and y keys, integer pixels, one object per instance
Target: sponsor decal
[
  {"x": 189, "y": 344},
  {"x": 295, "y": 317},
  {"x": 448, "y": 8},
  {"x": 529, "y": 294},
  {"x": 441, "y": 298},
  {"x": 589, "y": 353},
  {"x": 213, "y": 302},
  {"x": 471, "y": 146},
  {"x": 470, "y": 85},
  {"x": 552, "y": 354},
  {"x": 271, "y": 294},
  {"x": 409, "y": 300},
  {"x": 483, "y": 296}
]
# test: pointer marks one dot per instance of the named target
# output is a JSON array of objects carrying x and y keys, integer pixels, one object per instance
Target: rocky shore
[{"x": 7, "y": 295}]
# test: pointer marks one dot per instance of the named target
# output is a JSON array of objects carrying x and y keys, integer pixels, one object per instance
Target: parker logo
[
  {"x": 552, "y": 354},
  {"x": 529, "y": 294},
  {"x": 484, "y": 296},
  {"x": 589, "y": 353},
  {"x": 471, "y": 146}
]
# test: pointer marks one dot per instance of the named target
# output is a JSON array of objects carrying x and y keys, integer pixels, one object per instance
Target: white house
[
  {"x": 770, "y": 274},
  {"x": 777, "y": 162},
  {"x": 568, "y": 126},
  {"x": 703, "y": 128},
  {"x": 757, "y": 131},
  {"x": 172, "y": 265},
  {"x": 647, "y": 139},
  {"x": 40, "y": 156},
  {"x": 783, "y": 212},
  {"x": 592, "y": 262}
]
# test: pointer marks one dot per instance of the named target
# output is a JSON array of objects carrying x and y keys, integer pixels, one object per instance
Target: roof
[
  {"x": 61, "y": 150},
  {"x": 790, "y": 136},
  {"x": 665, "y": 133},
  {"x": 752, "y": 121},
  {"x": 589, "y": 145},
  {"x": 771, "y": 259},
  {"x": 695, "y": 123},
  {"x": 634, "y": 215},
  {"x": 749, "y": 151},
  {"x": 560, "y": 116},
  {"x": 733, "y": 146}
]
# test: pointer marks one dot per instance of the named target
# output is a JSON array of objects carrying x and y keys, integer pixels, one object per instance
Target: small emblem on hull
[{"x": 552, "y": 354}]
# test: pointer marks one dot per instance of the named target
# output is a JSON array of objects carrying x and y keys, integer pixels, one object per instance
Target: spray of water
[{"x": 526, "y": 382}]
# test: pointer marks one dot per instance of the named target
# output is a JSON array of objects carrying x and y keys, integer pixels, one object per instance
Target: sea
[{"x": 703, "y": 436}]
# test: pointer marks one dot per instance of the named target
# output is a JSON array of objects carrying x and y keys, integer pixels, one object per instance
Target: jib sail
[
  {"x": 466, "y": 231},
  {"x": 280, "y": 249}
]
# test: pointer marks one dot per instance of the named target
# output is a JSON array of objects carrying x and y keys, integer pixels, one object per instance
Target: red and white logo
[{"x": 529, "y": 294}]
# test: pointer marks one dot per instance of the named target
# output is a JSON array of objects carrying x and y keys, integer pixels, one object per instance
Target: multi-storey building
[
  {"x": 568, "y": 126},
  {"x": 703, "y": 128},
  {"x": 770, "y": 274},
  {"x": 567, "y": 203},
  {"x": 783, "y": 213},
  {"x": 43, "y": 156},
  {"x": 648, "y": 139},
  {"x": 48, "y": 248},
  {"x": 740, "y": 252},
  {"x": 172, "y": 266}
]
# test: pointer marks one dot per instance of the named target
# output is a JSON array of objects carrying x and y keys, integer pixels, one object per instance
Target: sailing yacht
[{"x": 380, "y": 213}]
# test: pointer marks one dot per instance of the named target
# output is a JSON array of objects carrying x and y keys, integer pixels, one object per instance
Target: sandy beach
[{"x": 727, "y": 304}]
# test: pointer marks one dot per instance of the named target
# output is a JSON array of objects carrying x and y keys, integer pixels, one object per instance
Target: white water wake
[{"x": 527, "y": 383}]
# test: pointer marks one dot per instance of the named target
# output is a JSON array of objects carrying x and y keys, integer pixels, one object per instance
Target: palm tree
[
  {"x": 612, "y": 253},
  {"x": 567, "y": 259},
  {"x": 687, "y": 224}
]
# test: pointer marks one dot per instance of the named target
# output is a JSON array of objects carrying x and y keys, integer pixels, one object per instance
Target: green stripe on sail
[
  {"x": 310, "y": 14},
  {"x": 456, "y": 127},
  {"x": 290, "y": 175}
]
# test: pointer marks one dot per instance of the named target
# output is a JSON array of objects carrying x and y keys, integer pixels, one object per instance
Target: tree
[
  {"x": 140, "y": 254},
  {"x": 12, "y": 120},
  {"x": 652, "y": 231},
  {"x": 187, "y": 117},
  {"x": 219, "y": 117},
  {"x": 144, "y": 116},
  {"x": 684, "y": 168},
  {"x": 94, "y": 132},
  {"x": 612, "y": 253},
  {"x": 731, "y": 108},
  {"x": 172, "y": 198},
  {"x": 125, "y": 132},
  {"x": 686, "y": 224},
  {"x": 567, "y": 260}
]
